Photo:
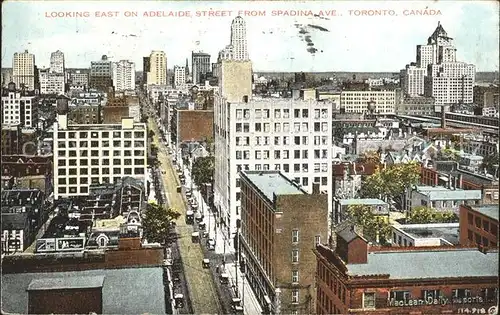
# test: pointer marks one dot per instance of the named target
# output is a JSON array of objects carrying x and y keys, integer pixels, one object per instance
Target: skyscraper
[
  {"x": 100, "y": 74},
  {"x": 239, "y": 39},
  {"x": 437, "y": 73},
  {"x": 157, "y": 74},
  {"x": 179, "y": 77},
  {"x": 57, "y": 62},
  {"x": 23, "y": 70},
  {"x": 123, "y": 75},
  {"x": 200, "y": 63}
]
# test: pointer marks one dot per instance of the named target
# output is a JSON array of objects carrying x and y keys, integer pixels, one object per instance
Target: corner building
[
  {"x": 280, "y": 225},
  {"x": 356, "y": 278}
]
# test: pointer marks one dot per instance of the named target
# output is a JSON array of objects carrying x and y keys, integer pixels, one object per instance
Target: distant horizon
[{"x": 286, "y": 43}]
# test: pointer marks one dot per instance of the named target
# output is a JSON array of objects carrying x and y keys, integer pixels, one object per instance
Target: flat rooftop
[
  {"x": 488, "y": 210},
  {"x": 446, "y": 231},
  {"x": 428, "y": 264},
  {"x": 124, "y": 291},
  {"x": 443, "y": 193},
  {"x": 272, "y": 182}
]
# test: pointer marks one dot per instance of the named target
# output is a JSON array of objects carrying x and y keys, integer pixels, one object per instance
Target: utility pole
[{"x": 237, "y": 245}]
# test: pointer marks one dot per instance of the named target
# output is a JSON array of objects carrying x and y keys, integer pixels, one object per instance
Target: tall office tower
[
  {"x": 239, "y": 39},
  {"x": 123, "y": 75},
  {"x": 200, "y": 63},
  {"x": 438, "y": 73},
  {"x": 51, "y": 82},
  {"x": 412, "y": 80},
  {"x": 157, "y": 74},
  {"x": 100, "y": 74},
  {"x": 145, "y": 69},
  {"x": 179, "y": 77},
  {"x": 57, "y": 62},
  {"x": 23, "y": 70},
  {"x": 19, "y": 108}
]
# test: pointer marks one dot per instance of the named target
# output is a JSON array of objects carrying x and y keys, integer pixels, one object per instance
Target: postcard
[{"x": 250, "y": 157}]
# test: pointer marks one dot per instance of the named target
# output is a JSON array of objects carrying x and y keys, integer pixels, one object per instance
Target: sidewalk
[{"x": 249, "y": 301}]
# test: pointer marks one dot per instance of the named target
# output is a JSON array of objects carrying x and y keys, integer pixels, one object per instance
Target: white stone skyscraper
[
  {"x": 123, "y": 73},
  {"x": 57, "y": 62},
  {"x": 23, "y": 70},
  {"x": 437, "y": 73},
  {"x": 239, "y": 39},
  {"x": 157, "y": 74}
]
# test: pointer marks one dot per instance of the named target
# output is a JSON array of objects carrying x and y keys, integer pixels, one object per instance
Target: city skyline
[{"x": 284, "y": 46}]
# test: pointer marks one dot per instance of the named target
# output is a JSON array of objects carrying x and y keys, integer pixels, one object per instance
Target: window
[
  {"x": 295, "y": 255},
  {"x": 400, "y": 295},
  {"x": 489, "y": 294},
  {"x": 295, "y": 276},
  {"x": 296, "y": 154},
  {"x": 478, "y": 222},
  {"x": 295, "y": 296},
  {"x": 460, "y": 293},
  {"x": 295, "y": 236},
  {"x": 317, "y": 240},
  {"x": 369, "y": 300},
  {"x": 434, "y": 294}
]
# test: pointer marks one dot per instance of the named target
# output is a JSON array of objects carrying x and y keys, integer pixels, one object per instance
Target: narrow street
[{"x": 202, "y": 290}]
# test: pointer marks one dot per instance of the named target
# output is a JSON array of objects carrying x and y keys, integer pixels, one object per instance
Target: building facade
[
  {"x": 57, "y": 62},
  {"x": 123, "y": 75},
  {"x": 357, "y": 278},
  {"x": 239, "y": 39},
  {"x": 293, "y": 136},
  {"x": 23, "y": 70},
  {"x": 200, "y": 66},
  {"x": 357, "y": 101},
  {"x": 479, "y": 225},
  {"x": 19, "y": 108},
  {"x": 179, "y": 77},
  {"x": 52, "y": 82},
  {"x": 101, "y": 74},
  {"x": 280, "y": 223},
  {"x": 412, "y": 80},
  {"x": 157, "y": 74},
  {"x": 95, "y": 153}
]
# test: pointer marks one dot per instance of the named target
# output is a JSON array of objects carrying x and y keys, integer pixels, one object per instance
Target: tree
[
  {"x": 449, "y": 154},
  {"x": 156, "y": 222},
  {"x": 390, "y": 183},
  {"x": 423, "y": 215},
  {"x": 209, "y": 145},
  {"x": 375, "y": 228},
  {"x": 203, "y": 170}
]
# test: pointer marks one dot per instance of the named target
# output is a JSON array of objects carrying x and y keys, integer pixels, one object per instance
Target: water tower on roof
[{"x": 62, "y": 104}]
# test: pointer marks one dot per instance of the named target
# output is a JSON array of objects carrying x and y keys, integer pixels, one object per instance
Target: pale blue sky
[{"x": 354, "y": 43}]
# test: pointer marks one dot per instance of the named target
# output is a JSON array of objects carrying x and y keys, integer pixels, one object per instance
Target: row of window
[
  {"x": 103, "y": 143},
  {"x": 103, "y": 171},
  {"x": 281, "y": 113},
  {"x": 99, "y": 134},
  {"x": 265, "y": 154},
  {"x": 104, "y": 153},
  {"x": 266, "y": 127},
  {"x": 96, "y": 162},
  {"x": 278, "y": 140},
  {"x": 483, "y": 224}
]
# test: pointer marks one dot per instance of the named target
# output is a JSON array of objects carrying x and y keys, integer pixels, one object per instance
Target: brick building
[
  {"x": 280, "y": 223},
  {"x": 479, "y": 225},
  {"x": 358, "y": 278},
  {"x": 26, "y": 165},
  {"x": 192, "y": 125},
  {"x": 18, "y": 140},
  {"x": 85, "y": 114}
]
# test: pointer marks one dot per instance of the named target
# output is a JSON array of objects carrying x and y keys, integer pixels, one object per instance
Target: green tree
[
  {"x": 375, "y": 228},
  {"x": 449, "y": 154},
  {"x": 156, "y": 222},
  {"x": 209, "y": 145},
  {"x": 390, "y": 183},
  {"x": 423, "y": 215},
  {"x": 203, "y": 170}
]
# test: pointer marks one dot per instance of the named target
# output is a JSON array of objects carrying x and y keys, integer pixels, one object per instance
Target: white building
[
  {"x": 79, "y": 78},
  {"x": 157, "y": 74},
  {"x": 451, "y": 83},
  {"x": 179, "y": 77},
  {"x": 19, "y": 109},
  {"x": 420, "y": 235},
  {"x": 357, "y": 101},
  {"x": 101, "y": 153},
  {"x": 23, "y": 70},
  {"x": 123, "y": 73},
  {"x": 412, "y": 80},
  {"x": 239, "y": 39},
  {"x": 51, "y": 82},
  {"x": 293, "y": 136},
  {"x": 57, "y": 62}
]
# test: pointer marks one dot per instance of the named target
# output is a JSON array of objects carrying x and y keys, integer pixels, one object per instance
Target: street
[{"x": 200, "y": 284}]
